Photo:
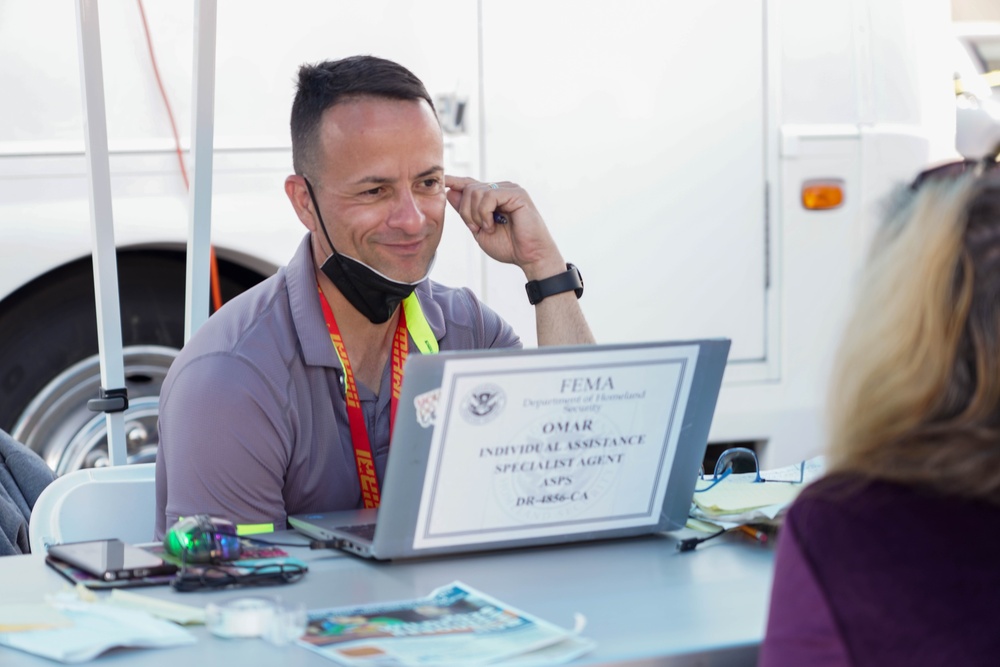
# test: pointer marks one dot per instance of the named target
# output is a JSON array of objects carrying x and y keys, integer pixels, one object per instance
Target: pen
[
  {"x": 499, "y": 218},
  {"x": 758, "y": 535}
]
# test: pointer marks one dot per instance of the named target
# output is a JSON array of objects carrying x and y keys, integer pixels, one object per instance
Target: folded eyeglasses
[{"x": 745, "y": 459}]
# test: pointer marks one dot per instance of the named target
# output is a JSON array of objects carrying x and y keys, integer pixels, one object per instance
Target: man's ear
[{"x": 298, "y": 194}]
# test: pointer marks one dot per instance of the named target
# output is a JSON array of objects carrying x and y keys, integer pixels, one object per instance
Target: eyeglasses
[
  {"x": 952, "y": 170},
  {"x": 218, "y": 576},
  {"x": 729, "y": 461}
]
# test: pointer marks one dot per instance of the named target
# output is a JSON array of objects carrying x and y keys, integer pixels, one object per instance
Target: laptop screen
[{"x": 543, "y": 443}]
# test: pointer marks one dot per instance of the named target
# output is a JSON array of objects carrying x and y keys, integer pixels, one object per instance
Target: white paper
[
  {"x": 95, "y": 629},
  {"x": 738, "y": 499},
  {"x": 528, "y": 451},
  {"x": 28, "y": 616}
]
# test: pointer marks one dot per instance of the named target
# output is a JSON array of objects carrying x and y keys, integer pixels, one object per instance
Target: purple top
[
  {"x": 253, "y": 424},
  {"x": 875, "y": 573}
]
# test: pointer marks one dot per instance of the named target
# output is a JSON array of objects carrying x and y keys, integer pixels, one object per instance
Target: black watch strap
[{"x": 569, "y": 280}]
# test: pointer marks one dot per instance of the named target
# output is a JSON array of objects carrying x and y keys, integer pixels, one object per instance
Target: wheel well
[
  {"x": 237, "y": 277},
  {"x": 50, "y": 323}
]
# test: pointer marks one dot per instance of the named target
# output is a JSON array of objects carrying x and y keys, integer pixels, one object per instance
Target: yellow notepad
[{"x": 737, "y": 497}]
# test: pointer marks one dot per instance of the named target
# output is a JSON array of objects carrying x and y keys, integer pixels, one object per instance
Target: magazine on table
[{"x": 453, "y": 625}]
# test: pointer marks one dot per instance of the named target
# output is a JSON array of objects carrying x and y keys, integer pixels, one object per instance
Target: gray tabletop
[{"x": 645, "y": 603}]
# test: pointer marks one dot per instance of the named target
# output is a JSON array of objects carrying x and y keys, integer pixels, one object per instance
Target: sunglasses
[
  {"x": 953, "y": 170},
  {"x": 738, "y": 460}
]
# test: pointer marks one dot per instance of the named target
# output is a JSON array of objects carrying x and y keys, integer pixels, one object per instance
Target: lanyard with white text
[{"x": 427, "y": 343}]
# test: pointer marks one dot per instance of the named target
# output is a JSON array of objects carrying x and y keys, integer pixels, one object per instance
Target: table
[{"x": 645, "y": 602}]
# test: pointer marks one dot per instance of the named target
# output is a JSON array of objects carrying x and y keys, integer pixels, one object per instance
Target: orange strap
[{"x": 359, "y": 433}]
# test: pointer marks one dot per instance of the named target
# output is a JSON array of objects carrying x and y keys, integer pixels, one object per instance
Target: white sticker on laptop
[{"x": 426, "y": 406}]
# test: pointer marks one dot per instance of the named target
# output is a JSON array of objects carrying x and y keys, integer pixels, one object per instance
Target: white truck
[{"x": 667, "y": 143}]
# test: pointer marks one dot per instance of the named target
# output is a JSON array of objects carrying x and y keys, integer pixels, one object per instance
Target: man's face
[{"x": 380, "y": 184}]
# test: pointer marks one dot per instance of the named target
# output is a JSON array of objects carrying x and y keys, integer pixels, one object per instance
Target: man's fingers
[
  {"x": 478, "y": 203},
  {"x": 487, "y": 206},
  {"x": 462, "y": 203},
  {"x": 457, "y": 182}
]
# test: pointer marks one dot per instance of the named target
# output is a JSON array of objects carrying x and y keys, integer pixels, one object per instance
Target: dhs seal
[{"x": 483, "y": 404}]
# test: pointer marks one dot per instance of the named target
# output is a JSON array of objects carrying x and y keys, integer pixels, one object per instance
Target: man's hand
[{"x": 524, "y": 240}]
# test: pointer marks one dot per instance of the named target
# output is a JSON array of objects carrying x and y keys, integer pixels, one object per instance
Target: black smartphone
[{"x": 111, "y": 560}]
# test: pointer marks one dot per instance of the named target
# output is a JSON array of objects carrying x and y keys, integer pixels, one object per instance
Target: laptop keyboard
[{"x": 364, "y": 530}]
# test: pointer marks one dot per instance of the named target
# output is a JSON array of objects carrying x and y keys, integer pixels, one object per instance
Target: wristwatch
[{"x": 566, "y": 281}]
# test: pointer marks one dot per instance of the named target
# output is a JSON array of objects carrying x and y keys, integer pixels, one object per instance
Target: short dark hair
[{"x": 324, "y": 84}]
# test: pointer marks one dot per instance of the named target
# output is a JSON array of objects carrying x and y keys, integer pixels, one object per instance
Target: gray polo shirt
[{"x": 253, "y": 423}]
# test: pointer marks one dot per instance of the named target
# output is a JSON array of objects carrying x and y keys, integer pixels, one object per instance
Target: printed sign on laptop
[{"x": 563, "y": 444}]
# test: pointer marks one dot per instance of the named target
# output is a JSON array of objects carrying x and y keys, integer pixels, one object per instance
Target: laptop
[{"x": 500, "y": 449}]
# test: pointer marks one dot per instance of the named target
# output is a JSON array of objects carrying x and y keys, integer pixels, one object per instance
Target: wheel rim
[{"x": 58, "y": 425}]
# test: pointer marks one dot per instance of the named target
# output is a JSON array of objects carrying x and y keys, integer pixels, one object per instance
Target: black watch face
[
  {"x": 534, "y": 294},
  {"x": 579, "y": 276},
  {"x": 567, "y": 281}
]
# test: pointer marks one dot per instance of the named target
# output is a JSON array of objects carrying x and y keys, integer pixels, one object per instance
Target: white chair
[{"x": 96, "y": 503}]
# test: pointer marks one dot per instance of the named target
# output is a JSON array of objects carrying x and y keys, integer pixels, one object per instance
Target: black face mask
[{"x": 375, "y": 295}]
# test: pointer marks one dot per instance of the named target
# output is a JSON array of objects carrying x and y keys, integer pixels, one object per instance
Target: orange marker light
[{"x": 822, "y": 195}]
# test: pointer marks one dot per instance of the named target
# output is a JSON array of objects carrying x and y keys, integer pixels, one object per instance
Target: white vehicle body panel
[{"x": 665, "y": 143}]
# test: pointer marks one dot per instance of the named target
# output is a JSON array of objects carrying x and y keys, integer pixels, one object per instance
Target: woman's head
[{"x": 916, "y": 391}]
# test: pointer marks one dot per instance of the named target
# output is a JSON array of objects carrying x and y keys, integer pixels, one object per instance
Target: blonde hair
[{"x": 915, "y": 396}]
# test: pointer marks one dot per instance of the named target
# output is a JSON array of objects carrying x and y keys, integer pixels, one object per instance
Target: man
[{"x": 282, "y": 402}]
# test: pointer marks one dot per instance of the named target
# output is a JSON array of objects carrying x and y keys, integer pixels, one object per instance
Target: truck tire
[{"x": 49, "y": 364}]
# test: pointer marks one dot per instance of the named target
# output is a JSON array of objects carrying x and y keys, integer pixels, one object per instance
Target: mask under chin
[{"x": 373, "y": 294}]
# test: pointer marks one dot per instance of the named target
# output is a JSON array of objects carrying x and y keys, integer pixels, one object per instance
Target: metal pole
[
  {"x": 197, "y": 284},
  {"x": 95, "y": 132}
]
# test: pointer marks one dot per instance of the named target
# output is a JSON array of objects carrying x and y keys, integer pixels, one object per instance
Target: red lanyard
[{"x": 359, "y": 434}]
